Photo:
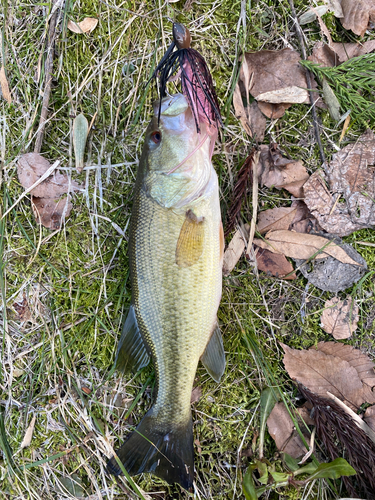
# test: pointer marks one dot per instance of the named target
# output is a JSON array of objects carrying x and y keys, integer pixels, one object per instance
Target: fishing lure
[{"x": 196, "y": 81}]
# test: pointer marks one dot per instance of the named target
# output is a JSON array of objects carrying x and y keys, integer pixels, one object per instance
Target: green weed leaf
[
  {"x": 248, "y": 486},
  {"x": 333, "y": 470},
  {"x": 267, "y": 402}
]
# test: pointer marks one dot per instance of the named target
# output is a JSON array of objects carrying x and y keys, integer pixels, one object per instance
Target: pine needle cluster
[{"x": 353, "y": 83}]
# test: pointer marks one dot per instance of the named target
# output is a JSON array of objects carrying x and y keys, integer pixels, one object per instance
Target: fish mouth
[{"x": 173, "y": 105}]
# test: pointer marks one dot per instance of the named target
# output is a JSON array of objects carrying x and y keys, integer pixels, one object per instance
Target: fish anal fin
[
  {"x": 131, "y": 350},
  {"x": 213, "y": 357},
  {"x": 190, "y": 241},
  {"x": 165, "y": 450}
]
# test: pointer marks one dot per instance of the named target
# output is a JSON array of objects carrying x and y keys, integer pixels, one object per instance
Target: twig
[
  {"x": 309, "y": 85},
  {"x": 254, "y": 202},
  {"x": 361, "y": 424},
  {"x": 48, "y": 80}
]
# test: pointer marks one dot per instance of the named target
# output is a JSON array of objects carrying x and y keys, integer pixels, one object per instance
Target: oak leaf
[
  {"x": 369, "y": 417},
  {"x": 356, "y": 359},
  {"x": 351, "y": 176},
  {"x": 340, "y": 317},
  {"x": 322, "y": 373},
  {"x": 338, "y": 52}
]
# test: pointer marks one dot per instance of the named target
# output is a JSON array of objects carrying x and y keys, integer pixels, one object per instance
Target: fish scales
[{"x": 175, "y": 253}]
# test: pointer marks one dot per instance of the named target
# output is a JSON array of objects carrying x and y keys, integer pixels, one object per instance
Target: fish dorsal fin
[
  {"x": 131, "y": 351},
  {"x": 190, "y": 242},
  {"x": 213, "y": 357}
]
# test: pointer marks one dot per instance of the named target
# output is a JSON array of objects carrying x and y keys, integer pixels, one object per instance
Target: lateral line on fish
[{"x": 189, "y": 155}]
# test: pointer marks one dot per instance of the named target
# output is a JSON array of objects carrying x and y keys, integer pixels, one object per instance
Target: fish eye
[{"x": 156, "y": 136}]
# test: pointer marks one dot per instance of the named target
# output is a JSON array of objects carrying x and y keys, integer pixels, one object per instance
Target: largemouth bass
[{"x": 176, "y": 251}]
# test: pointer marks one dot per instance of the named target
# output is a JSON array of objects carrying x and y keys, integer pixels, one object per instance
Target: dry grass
[{"x": 56, "y": 359}]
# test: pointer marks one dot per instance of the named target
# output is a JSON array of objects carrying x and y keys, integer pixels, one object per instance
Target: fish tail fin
[{"x": 165, "y": 450}]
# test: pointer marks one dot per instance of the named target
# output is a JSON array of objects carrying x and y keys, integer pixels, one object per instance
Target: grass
[{"x": 58, "y": 365}]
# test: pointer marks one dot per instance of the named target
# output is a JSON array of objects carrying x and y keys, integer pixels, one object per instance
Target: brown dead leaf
[
  {"x": 330, "y": 274},
  {"x": 293, "y": 95},
  {"x": 50, "y": 212},
  {"x": 303, "y": 246},
  {"x": 49, "y": 208},
  {"x": 31, "y": 166},
  {"x": 275, "y": 218},
  {"x": 369, "y": 417},
  {"x": 85, "y": 26},
  {"x": 234, "y": 251},
  {"x": 5, "y": 86},
  {"x": 340, "y": 317},
  {"x": 322, "y": 372},
  {"x": 351, "y": 175},
  {"x": 280, "y": 172},
  {"x": 240, "y": 111},
  {"x": 258, "y": 121},
  {"x": 273, "y": 111},
  {"x": 275, "y": 264},
  {"x": 252, "y": 119},
  {"x": 196, "y": 394},
  {"x": 356, "y": 359},
  {"x": 303, "y": 221},
  {"x": 29, "y": 433},
  {"x": 338, "y": 52},
  {"x": 357, "y": 15},
  {"x": 23, "y": 309},
  {"x": 274, "y": 71},
  {"x": 305, "y": 413},
  {"x": 281, "y": 429}
]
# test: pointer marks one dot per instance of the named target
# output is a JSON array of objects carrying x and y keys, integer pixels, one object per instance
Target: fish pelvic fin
[
  {"x": 213, "y": 357},
  {"x": 164, "y": 450},
  {"x": 131, "y": 351}
]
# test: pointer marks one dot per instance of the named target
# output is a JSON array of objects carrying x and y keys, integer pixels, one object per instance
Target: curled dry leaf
[
  {"x": 340, "y": 317},
  {"x": 303, "y": 246},
  {"x": 275, "y": 264},
  {"x": 338, "y": 52},
  {"x": 234, "y": 250},
  {"x": 48, "y": 206},
  {"x": 5, "y": 86},
  {"x": 357, "y": 14},
  {"x": 29, "y": 433},
  {"x": 282, "y": 173},
  {"x": 303, "y": 221},
  {"x": 252, "y": 119},
  {"x": 322, "y": 373},
  {"x": 351, "y": 175},
  {"x": 272, "y": 71},
  {"x": 282, "y": 430},
  {"x": 85, "y": 26}
]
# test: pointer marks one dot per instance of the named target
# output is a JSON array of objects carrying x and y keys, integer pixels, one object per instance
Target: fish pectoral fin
[
  {"x": 213, "y": 358},
  {"x": 131, "y": 350},
  {"x": 190, "y": 241},
  {"x": 166, "y": 450}
]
